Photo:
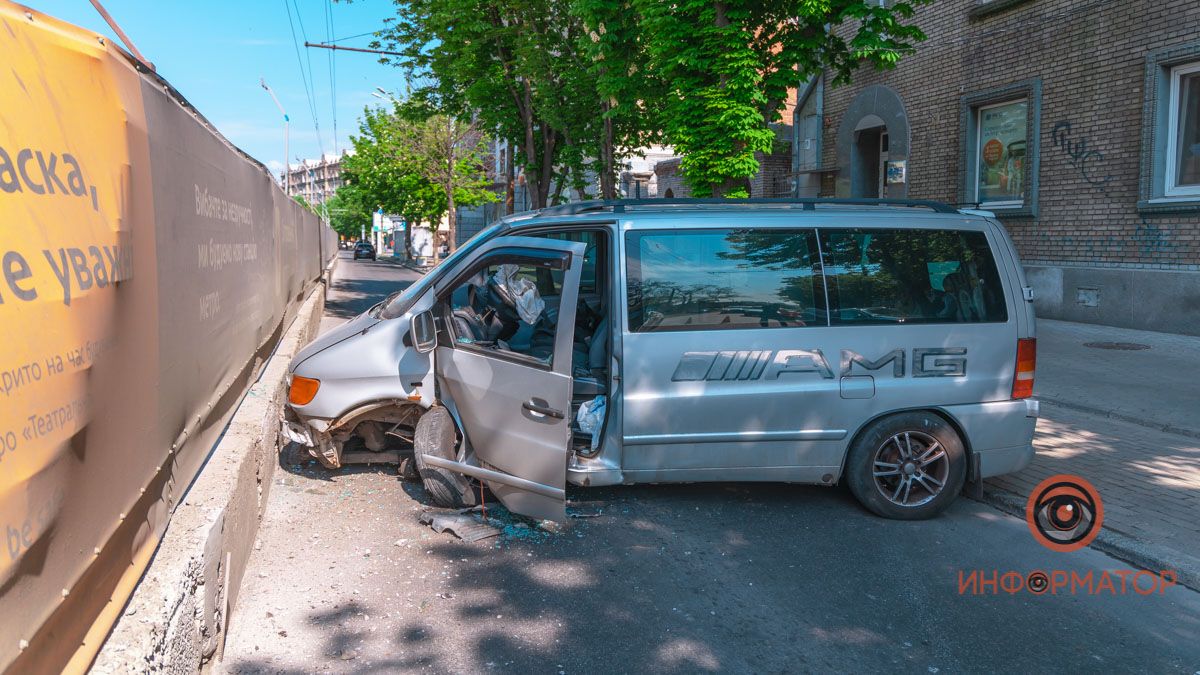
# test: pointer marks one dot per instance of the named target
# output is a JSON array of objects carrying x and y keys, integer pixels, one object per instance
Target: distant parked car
[
  {"x": 364, "y": 250},
  {"x": 344, "y": 245}
]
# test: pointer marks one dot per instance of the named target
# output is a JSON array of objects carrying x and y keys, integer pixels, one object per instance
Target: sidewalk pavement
[{"x": 1128, "y": 421}]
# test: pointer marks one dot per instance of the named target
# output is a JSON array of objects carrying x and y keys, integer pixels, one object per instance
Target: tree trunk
[
  {"x": 451, "y": 211},
  {"x": 549, "y": 143},
  {"x": 608, "y": 188},
  {"x": 509, "y": 178}
]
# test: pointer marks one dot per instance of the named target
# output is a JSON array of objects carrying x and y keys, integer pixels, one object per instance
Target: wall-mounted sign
[{"x": 897, "y": 172}]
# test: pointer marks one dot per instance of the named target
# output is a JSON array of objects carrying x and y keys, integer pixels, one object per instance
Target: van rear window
[
  {"x": 911, "y": 276},
  {"x": 722, "y": 279}
]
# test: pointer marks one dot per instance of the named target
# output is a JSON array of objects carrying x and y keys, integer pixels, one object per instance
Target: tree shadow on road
[
  {"x": 732, "y": 577},
  {"x": 350, "y": 297}
]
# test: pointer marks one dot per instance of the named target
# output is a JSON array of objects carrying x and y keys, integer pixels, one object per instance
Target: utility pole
[{"x": 287, "y": 172}]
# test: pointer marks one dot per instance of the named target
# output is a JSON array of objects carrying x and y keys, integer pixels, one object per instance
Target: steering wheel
[{"x": 500, "y": 292}]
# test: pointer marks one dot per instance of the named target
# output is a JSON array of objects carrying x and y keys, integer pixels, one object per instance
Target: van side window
[
  {"x": 911, "y": 276},
  {"x": 588, "y": 283},
  {"x": 722, "y": 279}
]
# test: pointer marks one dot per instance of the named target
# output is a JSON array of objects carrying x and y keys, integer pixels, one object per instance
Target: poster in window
[{"x": 1001, "y": 152}]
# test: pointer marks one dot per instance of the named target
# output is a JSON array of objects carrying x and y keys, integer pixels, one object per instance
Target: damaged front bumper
[{"x": 320, "y": 444}]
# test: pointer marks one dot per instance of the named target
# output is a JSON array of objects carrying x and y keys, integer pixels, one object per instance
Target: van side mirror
[{"x": 423, "y": 332}]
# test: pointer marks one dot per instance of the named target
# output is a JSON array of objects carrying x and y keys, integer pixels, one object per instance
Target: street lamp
[{"x": 287, "y": 173}]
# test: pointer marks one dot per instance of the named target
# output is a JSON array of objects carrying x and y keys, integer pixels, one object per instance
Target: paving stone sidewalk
[{"x": 1103, "y": 415}]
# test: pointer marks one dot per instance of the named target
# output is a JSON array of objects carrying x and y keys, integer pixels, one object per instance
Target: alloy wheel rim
[{"x": 910, "y": 468}]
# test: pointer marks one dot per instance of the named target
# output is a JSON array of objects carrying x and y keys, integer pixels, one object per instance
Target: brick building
[{"x": 1076, "y": 121}]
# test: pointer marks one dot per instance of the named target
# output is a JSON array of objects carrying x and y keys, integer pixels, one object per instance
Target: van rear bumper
[{"x": 999, "y": 434}]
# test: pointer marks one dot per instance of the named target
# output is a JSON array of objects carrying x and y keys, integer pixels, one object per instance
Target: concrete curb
[
  {"x": 178, "y": 615},
  {"x": 1118, "y": 545},
  {"x": 1112, "y": 414}
]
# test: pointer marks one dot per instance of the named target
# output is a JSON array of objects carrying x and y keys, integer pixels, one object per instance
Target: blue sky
[{"x": 215, "y": 51}]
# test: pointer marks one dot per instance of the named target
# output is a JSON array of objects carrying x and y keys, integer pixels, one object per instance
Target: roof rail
[{"x": 807, "y": 203}]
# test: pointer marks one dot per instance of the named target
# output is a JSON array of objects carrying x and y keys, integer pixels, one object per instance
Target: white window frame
[
  {"x": 1170, "y": 175},
  {"x": 978, "y": 112}
]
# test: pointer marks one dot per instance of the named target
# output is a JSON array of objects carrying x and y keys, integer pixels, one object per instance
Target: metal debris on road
[{"x": 461, "y": 525}]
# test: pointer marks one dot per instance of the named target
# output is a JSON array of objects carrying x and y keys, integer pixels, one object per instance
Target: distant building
[
  {"x": 638, "y": 180},
  {"x": 315, "y": 179}
]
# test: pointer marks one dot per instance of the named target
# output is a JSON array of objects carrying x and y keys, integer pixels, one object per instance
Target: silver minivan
[{"x": 887, "y": 344}]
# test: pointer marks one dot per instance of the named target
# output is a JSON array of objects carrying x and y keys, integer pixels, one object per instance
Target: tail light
[
  {"x": 1026, "y": 364},
  {"x": 304, "y": 390}
]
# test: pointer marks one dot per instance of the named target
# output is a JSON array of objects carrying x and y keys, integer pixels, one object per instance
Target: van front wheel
[
  {"x": 909, "y": 466},
  {"x": 435, "y": 435}
]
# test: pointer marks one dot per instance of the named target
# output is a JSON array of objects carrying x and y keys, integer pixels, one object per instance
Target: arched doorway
[{"x": 872, "y": 146}]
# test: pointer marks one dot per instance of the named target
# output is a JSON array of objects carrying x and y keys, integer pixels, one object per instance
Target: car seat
[{"x": 474, "y": 320}]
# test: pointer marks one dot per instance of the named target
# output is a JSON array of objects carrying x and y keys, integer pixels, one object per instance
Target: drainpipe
[{"x": 815, "y": 85}]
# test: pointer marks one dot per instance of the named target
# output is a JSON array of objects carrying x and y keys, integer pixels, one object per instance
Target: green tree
[
  {"x": 384, "y": 170},
  {"x": 728, "y": 65},
  {"x": 349, "y": 211},
  {"x": 530, "y": 72},
  {"x": 449, "y": 153},
  {"x": 626, "y": 87},
  {"x": 417, "y": 164},
  {"x": 299, "y": 199}
]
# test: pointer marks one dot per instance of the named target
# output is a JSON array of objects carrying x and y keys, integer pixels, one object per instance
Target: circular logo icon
[
  {"x": 1064, "y": 513},
  {"x": 1037, "y": 582}
]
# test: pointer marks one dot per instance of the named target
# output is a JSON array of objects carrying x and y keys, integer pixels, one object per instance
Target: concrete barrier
[{"x": 178, "y": 616}]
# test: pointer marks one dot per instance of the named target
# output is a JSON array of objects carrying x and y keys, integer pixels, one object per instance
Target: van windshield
[{"x": 398, "y": 303}]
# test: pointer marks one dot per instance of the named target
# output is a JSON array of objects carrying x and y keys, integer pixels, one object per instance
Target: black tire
[
  {"x": 882, "y": 441},
  {"x": 293, "y": 455},
  {"x": 435, "y": 435}
]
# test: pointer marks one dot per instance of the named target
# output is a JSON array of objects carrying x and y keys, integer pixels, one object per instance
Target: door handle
[{"x": 539, "y": 406}]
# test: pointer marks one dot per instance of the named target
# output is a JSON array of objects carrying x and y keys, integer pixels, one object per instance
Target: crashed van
[{"x": 885, "y": 344}]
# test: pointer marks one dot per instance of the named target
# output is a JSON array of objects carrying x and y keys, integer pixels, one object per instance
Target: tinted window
[
  {"x": 718, "y": 279},
  {"x": 911, "y": 276}
]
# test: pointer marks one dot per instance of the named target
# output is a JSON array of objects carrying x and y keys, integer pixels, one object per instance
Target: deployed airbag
[{"x": 529, "y": 304}]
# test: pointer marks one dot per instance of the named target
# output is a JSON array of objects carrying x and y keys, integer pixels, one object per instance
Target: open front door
[{"x": 506, "y": 367}]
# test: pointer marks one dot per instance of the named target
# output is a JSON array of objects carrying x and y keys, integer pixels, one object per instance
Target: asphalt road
[{"x": 720, "y": 577}]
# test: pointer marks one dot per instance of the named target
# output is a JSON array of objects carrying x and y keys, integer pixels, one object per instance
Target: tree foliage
[
  {"x": 415, "y": 163},
  {"x": 530, "y": 71},
  {"x": 349, "y": 211},
  {"x": 577, "y": 85},
  {"x": 729, "y": 65}
]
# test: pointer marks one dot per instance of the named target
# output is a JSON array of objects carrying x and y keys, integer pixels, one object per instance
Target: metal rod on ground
[{"x": 121, "y": 34}]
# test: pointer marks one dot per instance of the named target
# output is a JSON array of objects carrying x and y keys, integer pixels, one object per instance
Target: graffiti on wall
[
  {"x": 1152, "y": 239},
  {"x": 1149, "y": 242},
  {"x": 1088, "y": 161}
]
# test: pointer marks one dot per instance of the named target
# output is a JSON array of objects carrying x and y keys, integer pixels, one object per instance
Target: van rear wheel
[
  {"x": 435, "y": 435},
  {"x": 909, "y": 466}
]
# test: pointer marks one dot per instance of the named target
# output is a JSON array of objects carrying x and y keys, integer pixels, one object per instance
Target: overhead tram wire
[
  {"x": 303, "y": 76},
  {"x": 308, "y": 57},
  {"x": 347, "y": 37},
  {"x": 332, "y": 72},
  {"x": 311, "y": 76}
]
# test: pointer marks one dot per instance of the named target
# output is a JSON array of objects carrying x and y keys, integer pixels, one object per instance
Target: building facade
[
  {"x": 1077, "y": 122},
  {"x": 315, "y": 179}
]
